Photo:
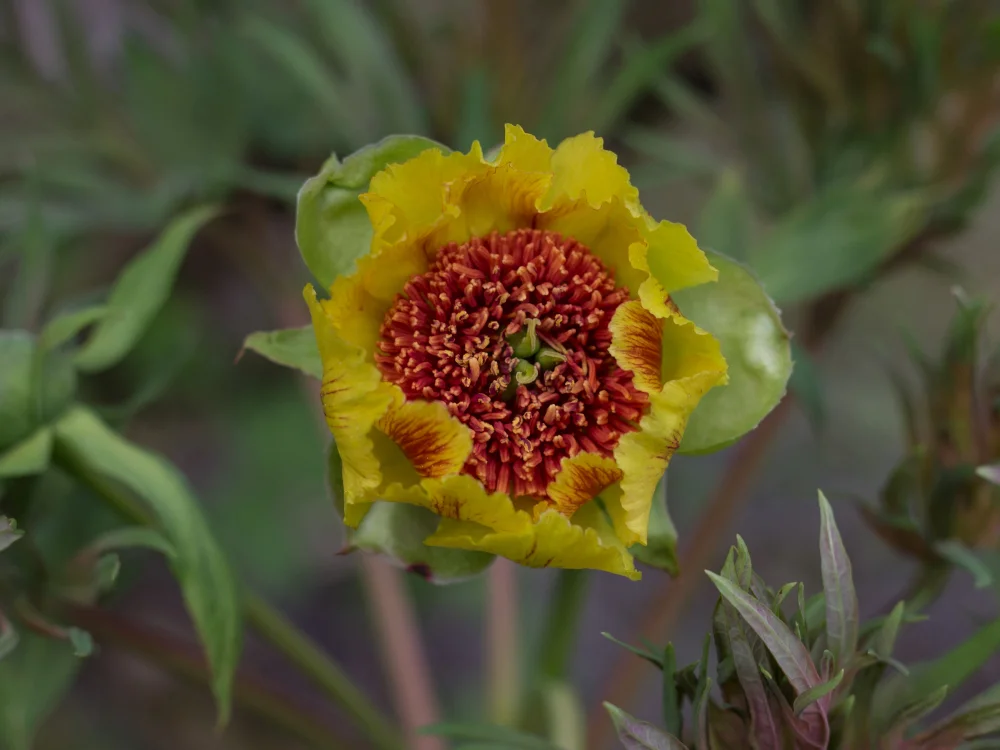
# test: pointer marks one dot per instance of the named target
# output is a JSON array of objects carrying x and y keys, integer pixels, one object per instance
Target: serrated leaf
[
  {"x": 201, "y": 569},
  {"x": 290, "y": 347},
  {"x": 30, "y": 456},
  {"x": 331, "y": 225},
  {"x": 958, "y": 554},
  {"x": 640, "y": 735},
  {"x": 809, "y": 697},
  {"x": 838, "y": 587},
  {"x": 398, "y": 530},
  {"x": 140, "y": 291},
  {"x": 790, "y": 654},
  {"x": 757, "y": 348},
  {"x": 660, "y": 550}
]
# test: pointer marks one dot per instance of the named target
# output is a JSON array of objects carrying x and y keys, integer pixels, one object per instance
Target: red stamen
[{"x": 444, "y": 339}]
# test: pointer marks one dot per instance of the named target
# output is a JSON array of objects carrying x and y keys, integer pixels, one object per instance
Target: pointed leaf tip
[{"x": 842, "y": 616}]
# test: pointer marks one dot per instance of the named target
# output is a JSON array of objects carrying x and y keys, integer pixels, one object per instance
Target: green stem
[
  {"x": 318, "y": 667},
  {"x": 559, "y": 635},
  {"x": 281, "y": 633}
]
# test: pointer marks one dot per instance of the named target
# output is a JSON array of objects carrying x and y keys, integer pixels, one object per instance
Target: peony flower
[{"x": 507, "y": 355}]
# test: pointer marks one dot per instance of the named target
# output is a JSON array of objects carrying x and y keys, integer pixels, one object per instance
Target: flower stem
[
  {"x": 502, "y": 652},
  {"x": 559, "y": 635},
  {"x": 320, "y": 668}
]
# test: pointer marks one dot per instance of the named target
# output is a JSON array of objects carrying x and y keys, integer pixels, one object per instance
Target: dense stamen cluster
[{"x": 448, "y": 336}]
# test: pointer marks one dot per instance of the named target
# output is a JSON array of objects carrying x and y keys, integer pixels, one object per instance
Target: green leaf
[
  {"x": 33, "y": 679},
  {"x": 809, "y": 697},
  {"x": 63, "y": 328},
  {"x": 35, "y": 386},
  {"x": 640, "y": 735},
  {"x": 673, "y": 716},
  {"x": 835, "y": 240},
  {"x": 885, "y": 642},
  {"x": 565, "y": 717},
  {"x": 81, "y": 641},
  {"x": 977, "y": 718},
  {"x": 958, "y": 554},
  {"x": 725, "y": 224},
  {"x": 913, "y": 712},
  {"x": 331, "y": 225},
  {"x": 398, "y": 530},
  {"x": 649, "y": 656},
  {"x": 30, "y": 456},
  {"x": 132, "y": 537},
  {"x": 201, "y": 569},
  {"x": 787, "y": 650},
  {"x": 757, "y": 349},
  {"x": 9, "y": 533},
  {"x": 951, "y": 669},
  {"x": 838, "y": 587},
  {"x": 290, "y": 347},
  {"x": 8, "y": 637},
  {"x": 140, "y": 291},
  {"x": 660, "y": 550}
]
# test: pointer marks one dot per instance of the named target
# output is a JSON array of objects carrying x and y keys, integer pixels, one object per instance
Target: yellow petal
[
  {"x": 580, "y": 480},
  {"x": 585, "y": 542},
  {"x": 691, "y": 363},
  {"x": 524, "y": 152},
  {"x": 432, "y": 440},
  {"x": 584, "y": 169},
  {"x": 463, "y": 498},
  {"x": 354, "y": 399}
]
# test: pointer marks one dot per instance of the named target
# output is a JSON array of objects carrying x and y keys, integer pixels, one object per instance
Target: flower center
[{"x": 510, "y": 332}]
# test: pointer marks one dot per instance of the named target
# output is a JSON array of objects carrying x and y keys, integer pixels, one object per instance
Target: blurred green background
[{"x": 845, "y": 149}]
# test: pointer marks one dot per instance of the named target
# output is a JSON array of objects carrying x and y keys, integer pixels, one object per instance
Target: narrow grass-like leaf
[
  {"x": 487, "y": 733},
  {"x": 838, "y": 586},
  {"x": 290, "y": 347},
  {"x": 809, "y": 697},
  {"x": 725, "y": 224},
  {"x": 63, "y": 328},
  {"x": 673, "y": 716},
  {"x": 958, "y": 554},
  {"x": 976, "y": 719},
  {"x": 990, "y": 473},
  {"x": 89, "y": 448},
  {"x": 885, "y": 641},
  {"x": 139, "y": 293},
  {"x": 640, "y": 735},
  {"x": 790, "y": 654},
  {"x": 913, "y": 712},
  {"x": 640, "y": 652}
]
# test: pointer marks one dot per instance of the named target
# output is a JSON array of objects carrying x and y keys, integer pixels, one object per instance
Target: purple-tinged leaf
[
  {"x": 701, "y": 713},
  {"x": 744, "y": 568},
  {"x": 640, "y": 735},
  {"x": 790, "y": 654},
  {"x": 811, "y": 729},
  {"x": 838, "y": 586},
  {"x": 990, "y": 473},
  {"x": 763, "y": 727},
  {"x": 809, "y": 697}
]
